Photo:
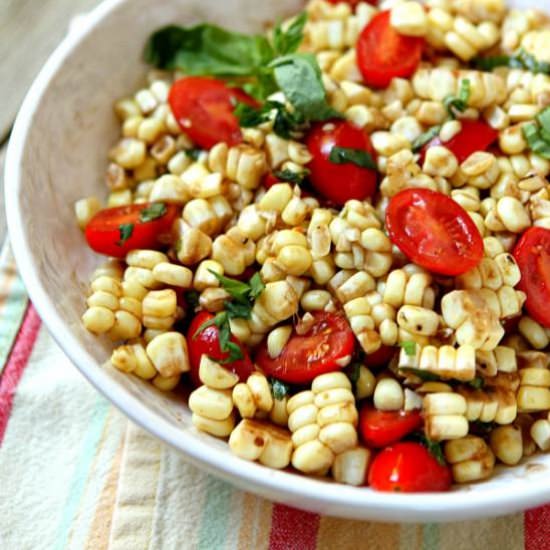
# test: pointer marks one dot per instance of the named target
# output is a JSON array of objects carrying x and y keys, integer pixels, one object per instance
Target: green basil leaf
[
  {"x": 543, "y": 118},
  {"x": 192, "y": 298},
  {"x": 125, "y": 232},
  {"x": 436, "y": 450},
  {"x": 235, "y": 353},
  {"x": 424, "y": 375},
  {"x": 478, "y": 382},
  {"x": 425, "y": 137},
  {"x": 194, "y": 153},
  {"x": 287, "y": 41},
  {"x": 238, "y": 310},
  {"x": 533, "y": 136},
  {"x": 520, "y": 60},
  {"x": 257, "y": 286},
  {"x": 299, "y": 77},
  {"x": 237, "y": 289},
  {"x": 153, "y": 212},
  {"x": 205, "y": 325},
  {"x": 460, "y": 103},
  {"x": 347, "y": 155},
  {"x": 249, "y": 117},
  {"x": 352, "y": 371},
  {"x": 207, "y": 50},
  {"x": 285, "y": 124},
  {"x": 409, "y": 347},
  {"x": 297, "y": 178},
  {"x": 279, "y": 389}
]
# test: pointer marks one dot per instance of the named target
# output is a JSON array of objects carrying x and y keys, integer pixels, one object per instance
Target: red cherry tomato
[
  {"x": 204, "y": 109},
  {"x": 383, "y": 53},
  {"x": 207, "y": 342},
  {"x": 382, "y": 428},
  {"x": 434, "y": 231},
  {"x": 103, "y": 231},
  {"x": 381, "y": 357},
  {"x": 474, "y": 136},
  {"x": 408, "y": 467},
  {"x": 532, "y": 253},
  {"x": 269, "y": 180},
  {"x": 339, "y": 182},
  {"x": 314, "y": 353}
]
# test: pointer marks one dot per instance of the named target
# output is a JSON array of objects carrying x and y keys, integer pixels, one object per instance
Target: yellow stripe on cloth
[{"x": 138, "y": 482}]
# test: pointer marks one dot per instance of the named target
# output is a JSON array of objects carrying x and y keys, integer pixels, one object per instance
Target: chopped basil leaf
[
  {"x": 279, "y": 389},
  {"x": 347, "y": 155},
  {"x": 543, "y": 118},
  {"x": 352, "y": 371},
  {"x": 249, "y": 116},
  {"x": 460, "y": 102},
  {"x": 424, "y": 375},
  {"x": 435, "y": 449},
  {"x": 257, "y": 286},
  {"x": 425, "y": 137},
  {"x": 409, "y": 347},
  {"x": 235, "y": 353},
  {"x": 156, "y": 210},
  {"x": 237, "y": 289},
  {"x": 534, "y": 137},
  {"x": 193, "y": 153},
  {"x": 125, "y": 231},
  {"x": 287, "y": 41},
  {"x": 478, "y": 382},
  {"x": 297, "y": 178},
  {"x": 237, "y": 309},
  {"x": 299, "y": 77},
  {"x": 520, "y": 60},
  {"x": 192, "y": 298},
  {"x": 285, "y": 123},
  {"x": 221, "y": 321}
]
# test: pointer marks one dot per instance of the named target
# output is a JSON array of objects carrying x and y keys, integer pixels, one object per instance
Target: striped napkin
[{"x": 75, "y": 473}]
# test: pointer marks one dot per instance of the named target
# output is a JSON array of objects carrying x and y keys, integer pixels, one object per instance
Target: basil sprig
[
  {"x": 425, "y": 137},
  {"x": 238, "y": 307},
  {"x": 537, "y": 134},
  {"x": 409, "y": 347},
  {"x": 125, "y": 231},
  {"x": 264, "y": 65},
  {"x": 347, "y": 155},
  {"x": 297, "y": 178},
  {"x": 286, "y": 124},
  {"x": 279, "y": 389},
  {"x": 460, "y": 102},
  {"x": 520, "y": 60},
  {"x": 153, "y": 212}
]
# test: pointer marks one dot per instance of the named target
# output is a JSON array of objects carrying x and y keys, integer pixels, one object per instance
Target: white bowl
[{"x": 57, "y": 155}]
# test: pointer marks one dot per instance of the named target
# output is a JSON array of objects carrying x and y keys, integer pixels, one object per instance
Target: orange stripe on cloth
[
  {"x": 348, "y": 534},
  {"x": 255, "y": 523},
  {"x": 100, "y": 528}
]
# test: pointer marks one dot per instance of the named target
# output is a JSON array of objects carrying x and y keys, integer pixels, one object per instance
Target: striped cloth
[{"x": 74, "y": 473}]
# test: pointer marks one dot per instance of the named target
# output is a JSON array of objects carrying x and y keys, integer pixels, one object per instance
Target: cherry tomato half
[
  {"x": 382, "y": 428},
  {"x": 383, "y": 53},
  {"x": 207, "y": 342},
  {"x": 434, "y": 231},
  {"x": 339, "y": 182},
  {"x": 314, "y": 353},
  {"x": 381, "y": 357},
  {"x": 408, "y": 467},
  {"x": 532, "y": 253},
  {"x": 104, "y": 232},
  {"x": 204, "y": 109},
  {"x": 475, "y": 135}
]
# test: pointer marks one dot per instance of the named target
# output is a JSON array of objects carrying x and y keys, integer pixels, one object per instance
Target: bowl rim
[{"x": 290, "y": 488}]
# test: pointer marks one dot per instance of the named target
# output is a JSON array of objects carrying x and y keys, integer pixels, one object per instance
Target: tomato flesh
[
  {"x": 383, "y": 53},
  {"x": 434, "y": 231},
  {"x": 207, "y": 342},
  {"x": 204, "y": 109},
  {"x": 381, "y": 357},
  {"x": 306, "y": 356},
  {"x": 382, "y": 428},
  {"x": 532, "y": 253},
  {"x": 408, "y": 467},
  {"x": 103, "y": 232},
  {"x": 475, "y": 135},
  {"x": 339, "y": 182}
]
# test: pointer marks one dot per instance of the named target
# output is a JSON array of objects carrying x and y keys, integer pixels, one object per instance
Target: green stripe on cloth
[
  {"x": 430, "y": 537},
  {"x": 215, "y": 515}
]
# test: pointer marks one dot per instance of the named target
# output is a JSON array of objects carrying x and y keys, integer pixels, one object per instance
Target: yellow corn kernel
[
  {"x": 214, "y": 376},
  {"x": 470, "y": 458},
  {"x": 217, "y": 428},
  {"x": 160, "y": 303},
  {"x": 507, "y": 444},
  {"x": 126, "y": 326},
  {"x": 388, "y": 395},
  {"x": 312, "y": 458},
  {"x": 211, "y": 403},
  {"x": 168, "y": 352}
]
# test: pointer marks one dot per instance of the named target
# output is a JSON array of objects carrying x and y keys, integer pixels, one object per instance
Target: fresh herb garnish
[
  {"x": 460, "y": 102},
  {"x": 409, "y": 347},
  {"x": 192, "y": 298},
  {"x": 478, "y": 382},
  {"x": 193, "y": 153},
  {"x": 434, "y": 447},
  {"x": 537, "y": 134},
  {"x": 297, "y": 178},
  {"x": 279, "y": 389},
  {"x": 424, "y": 375},
  {"x": 425, "y": 137},
  {"x": 285, "y": 124},
  {"x": 125, "y": 231},
  {"x": 520, "y": 60},
  {"x": 153, "y": 212},
  {"x": 347, "y": 155},
  {"x": 239, "y": 307},
  {"x": 208, "y": 50},
  {"x": 352, "y": 372}
]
